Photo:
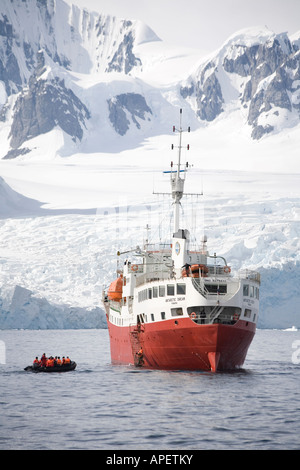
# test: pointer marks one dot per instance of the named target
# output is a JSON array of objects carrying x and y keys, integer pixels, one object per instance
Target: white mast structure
[
  {"x": 177, "y": 183},
  {"x": 181, "y": 237}
]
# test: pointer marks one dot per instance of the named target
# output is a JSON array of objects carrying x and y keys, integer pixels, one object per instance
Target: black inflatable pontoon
[{"x": 62, "y": 368}]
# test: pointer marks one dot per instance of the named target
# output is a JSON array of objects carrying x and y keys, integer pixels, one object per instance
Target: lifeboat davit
[{"x": 115, "y": 289}]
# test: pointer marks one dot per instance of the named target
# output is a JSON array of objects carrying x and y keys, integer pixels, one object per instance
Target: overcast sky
[{"x": 203, "y": 24}]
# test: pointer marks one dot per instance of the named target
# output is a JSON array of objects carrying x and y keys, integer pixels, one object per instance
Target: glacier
[
  {"x": 77, "y": 187},
  {"x": 56, "y": 260}
]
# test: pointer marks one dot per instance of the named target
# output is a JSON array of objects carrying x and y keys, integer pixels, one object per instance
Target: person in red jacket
[{"x": 43, "y": 360}]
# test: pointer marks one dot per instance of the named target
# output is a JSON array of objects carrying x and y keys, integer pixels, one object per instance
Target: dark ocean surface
[{"x": 105, "y": 407}]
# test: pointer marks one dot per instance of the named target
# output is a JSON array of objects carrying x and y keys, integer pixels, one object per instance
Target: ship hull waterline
[{"x": 182, "y": 345}]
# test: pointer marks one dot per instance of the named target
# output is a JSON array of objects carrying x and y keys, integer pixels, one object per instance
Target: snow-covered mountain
[
  {"x": 87, "y": 105},
  {"x": 258, "y": 72},
  {"x": 89, "y": 74},
  {"x": 37, "y": 65},
  {"x": 75, "y": 39}
]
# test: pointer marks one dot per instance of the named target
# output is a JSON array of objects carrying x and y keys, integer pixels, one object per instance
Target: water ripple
[{"x": 101, "y": 406}]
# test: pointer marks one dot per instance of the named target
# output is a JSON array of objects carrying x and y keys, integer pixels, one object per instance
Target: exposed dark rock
[
  {"x": 259, "y": 131},
  {"x": 208, "y": 93},
  {"x": 209, "y": 98},
  {"x": 256, "y": 107},
  {"x": 244, "y": 63},
  {"x": 44, "y": 105},
  {"x": 277, "y": 92},
  {"x": 14, "y": 153},
  {"x": 187, "y": 91},
  {"x": 9, "y": 67},
  {"x": 123, "y": 59},
  {"x": 134, "y": 103}
]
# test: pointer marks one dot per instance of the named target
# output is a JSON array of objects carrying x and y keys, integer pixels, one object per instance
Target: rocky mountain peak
[
  {"x": 268, "y": 67},
  {"x": 45, "y": 103}
]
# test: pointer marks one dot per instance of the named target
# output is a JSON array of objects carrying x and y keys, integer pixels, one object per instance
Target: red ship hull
[{"x": 182, "y": 345}]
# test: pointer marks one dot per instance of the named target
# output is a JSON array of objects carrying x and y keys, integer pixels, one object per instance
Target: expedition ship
[{"x": 178, "y": 309}]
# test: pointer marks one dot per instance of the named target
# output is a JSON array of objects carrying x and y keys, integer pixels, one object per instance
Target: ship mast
[{"x": 177, "y": 183}]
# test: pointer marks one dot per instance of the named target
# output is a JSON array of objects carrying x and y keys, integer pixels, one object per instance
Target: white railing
[
  {"x": 153, "y": 276},
  {"x": 249, "y": 274}
]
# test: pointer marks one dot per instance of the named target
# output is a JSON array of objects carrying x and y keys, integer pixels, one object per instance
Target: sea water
[{"x": 103, "y": 406}]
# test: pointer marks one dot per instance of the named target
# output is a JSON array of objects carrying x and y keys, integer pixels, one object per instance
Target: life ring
[
  {"x": 236, "y": 317},
  {"x": 134, "y": 267},
  {"x": 227, "y": 269},
  {"x": 193, "y": 316}
]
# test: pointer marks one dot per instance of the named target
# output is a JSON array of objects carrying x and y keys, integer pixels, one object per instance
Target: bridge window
[
  {"x": 216, "y": 288},
  {"x": 170, "y": 289},
  {"x": 161, "y": 291},
  {"x": 180, "y": 289},
  {"x": 246, "y": 289},
  {"x": 142, "y": 295}
]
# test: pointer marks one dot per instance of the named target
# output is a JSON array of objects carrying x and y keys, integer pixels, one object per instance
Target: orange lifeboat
[
  {"x": 195, "y": 268},
  {"x": 115, "y": 289}
]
